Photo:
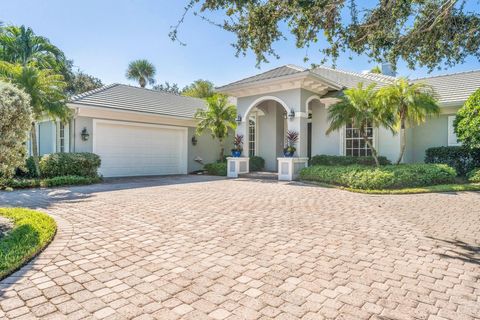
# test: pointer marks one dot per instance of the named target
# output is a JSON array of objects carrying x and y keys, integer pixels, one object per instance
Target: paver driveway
[{"x": 206, "y": 248}]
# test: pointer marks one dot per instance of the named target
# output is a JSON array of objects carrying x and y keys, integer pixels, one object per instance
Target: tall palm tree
[
  {"x": 218, "y": 117},
  {"x": 46, "y": 91},
  {"x": 410, "y": 102},
  {"x": 359, "y": 106},
  {"x": 142, "y": 71},
  {"x": 21, "y": 45}
]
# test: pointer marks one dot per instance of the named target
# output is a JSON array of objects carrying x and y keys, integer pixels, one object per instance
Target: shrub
[
  {"x": 326, "y": 160},
  {"x": 467, "y": 121},
  {"x": 15, "y": 122},
  {"x": 474, "y": 176},
  {"x": 256, "y": 163},
  {"x": 461, "y": 158},
  {"x": 28, "y": 170},
  {"x": 386, "y": 177},
  {"x": 69, "y": 164},
  {"x": 48, "y": 182},
  {"x": 217, "y": 168}
]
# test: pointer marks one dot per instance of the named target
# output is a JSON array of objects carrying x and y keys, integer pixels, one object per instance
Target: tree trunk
[
  {"x": 403, "y": 141},
  {"x": 33, "y": 142},
  {"x": 374, "y": 151},
  {"x": 222, "y": 151}
]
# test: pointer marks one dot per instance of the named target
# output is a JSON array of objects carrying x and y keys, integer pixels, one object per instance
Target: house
[
  {"x": 135, "y": 131},
  {"x": 295, "y": 98}
]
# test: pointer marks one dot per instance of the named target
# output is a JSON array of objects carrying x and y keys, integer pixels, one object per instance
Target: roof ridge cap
[
  {"x": 446, "y": 75},
  {"x": 158, "y": 91}
]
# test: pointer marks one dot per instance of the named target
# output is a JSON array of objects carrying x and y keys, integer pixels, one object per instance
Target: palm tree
[
  {"x": 46, "y": 91},
  {"x": 199, "y": 89},
  {"x": 218, "y": 118},
  {"x": 142, "y": 71},
  {"x": 359, "y": 107},
  {"x": 409, "y": 102},
  {"x": 21, "y": 45}
]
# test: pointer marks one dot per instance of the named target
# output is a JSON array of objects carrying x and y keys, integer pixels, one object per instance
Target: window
[
  {"x": 251, "y": 136},
  {"x": 354, "y": 144},
  {"x": 62, "y": 137},
  {"x": 452, "y": 136}
]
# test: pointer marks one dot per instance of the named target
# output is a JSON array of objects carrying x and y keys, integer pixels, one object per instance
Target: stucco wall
[
  {"x": 433, "y": 133},
  {"x": 388, "y": 144},
  {"x": 321, "y": 142},
  {"x": 270, "y": 133},
  {"x": 207, "y": 148},
  {"x": 46, "y": 137},
  {"x": 79, "y": 124}
]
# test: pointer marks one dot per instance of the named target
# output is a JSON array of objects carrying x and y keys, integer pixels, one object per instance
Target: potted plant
[
  {"x": 237, "y": 146},
  {"x": 291, "y": 139}
]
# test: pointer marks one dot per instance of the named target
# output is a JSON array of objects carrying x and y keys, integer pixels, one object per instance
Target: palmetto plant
[
  {"x": 409, "y": 102},
  {"x": 142, "y": 71},
  {"x": 360, "y": 107},
  {"x": 218, "y": 118}
]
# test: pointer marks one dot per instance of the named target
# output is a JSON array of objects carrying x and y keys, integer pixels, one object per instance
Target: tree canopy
[
  {"x": 199, "y": 89},
  {"x": 80, "y": 82},
  {"x": 167, "y": 87},
  {"x": 430, "y": 33},
  {"x": 142, "y": 71}
]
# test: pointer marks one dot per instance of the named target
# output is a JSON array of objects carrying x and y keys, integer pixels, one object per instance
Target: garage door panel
[{"x": 133, "y": 150}]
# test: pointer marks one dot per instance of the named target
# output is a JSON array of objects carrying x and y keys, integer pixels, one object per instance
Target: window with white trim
[
  {"x": 251, "y": 136},
  {"x": 61, "y": 135},
  {"x": 452, "y": 136},
  {"x": 355, "y": 144}
]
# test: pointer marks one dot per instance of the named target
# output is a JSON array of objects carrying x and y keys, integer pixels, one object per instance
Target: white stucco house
[
  {"x": 295, "y": 98},
  {"x": 140, "y": 132}
]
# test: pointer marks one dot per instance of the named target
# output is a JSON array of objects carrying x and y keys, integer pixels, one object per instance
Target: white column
[{"x": 300, "y": 124}]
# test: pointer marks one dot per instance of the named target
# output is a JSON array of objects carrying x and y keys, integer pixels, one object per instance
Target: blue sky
[{"x": 102, "y": 36}]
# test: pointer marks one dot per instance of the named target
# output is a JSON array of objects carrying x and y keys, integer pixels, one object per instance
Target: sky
[{"x": 103, "y": 36}]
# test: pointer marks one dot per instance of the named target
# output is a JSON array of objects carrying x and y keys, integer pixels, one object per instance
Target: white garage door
[{"x": 134, "y": 149}]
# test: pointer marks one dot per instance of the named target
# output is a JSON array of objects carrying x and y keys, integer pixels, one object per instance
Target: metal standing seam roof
[
  {"x": 455, "y": 87},
  {"x": 124, "y": 97}
]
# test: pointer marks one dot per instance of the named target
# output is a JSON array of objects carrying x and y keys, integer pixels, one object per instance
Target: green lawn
[{"x": 32, "y": 232}]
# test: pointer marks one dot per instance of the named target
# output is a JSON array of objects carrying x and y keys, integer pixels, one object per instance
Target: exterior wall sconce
[
  {"x": 239, "y": 119},
  {"x": 84, "y": 134},
  {"x": 291, "y": 115},
  {"x": 194, "y": 140},
  {"x": 285, "y": 116}
]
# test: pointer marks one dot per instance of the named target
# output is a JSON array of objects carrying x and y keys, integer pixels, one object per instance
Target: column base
[
  {"x": 288, "y": 168},
  {"x": 236, "y": 166}
]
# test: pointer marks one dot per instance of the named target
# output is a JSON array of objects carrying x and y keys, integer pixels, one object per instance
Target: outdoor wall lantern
[
  {"x": 194, "y": 140},
  {"x": 85, "y": 135},
  {"x": 291, "y": 115},
  {"x": 285, "y": 116},
  {"x": 239, "y": 119}
]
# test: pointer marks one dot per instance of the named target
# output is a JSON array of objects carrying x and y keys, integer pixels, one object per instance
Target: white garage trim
[{"x": 183, "y": 130}]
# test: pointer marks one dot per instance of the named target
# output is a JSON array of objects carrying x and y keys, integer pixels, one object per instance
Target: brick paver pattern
[{"x": 208, "y": 248}]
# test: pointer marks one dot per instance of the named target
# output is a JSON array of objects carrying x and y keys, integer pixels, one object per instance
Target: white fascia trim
[{"x": 76, "y": 106}]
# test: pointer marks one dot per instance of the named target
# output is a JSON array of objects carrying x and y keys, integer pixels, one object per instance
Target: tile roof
[
  {"x": 455, "y": 87},
  {"x": 351, "y": 79},
  {"x": 124, "y": 97}
]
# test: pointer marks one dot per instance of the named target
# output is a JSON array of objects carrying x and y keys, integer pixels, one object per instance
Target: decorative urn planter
[{"x": 236, "y": 153}]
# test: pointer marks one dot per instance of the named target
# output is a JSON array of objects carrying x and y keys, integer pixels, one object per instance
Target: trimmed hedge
[
  {"x": 16, "y": 183},
  {"x": 461, "y": 158},
  {"x": 385, "y": 177},
  {"x": 69, "y": 164},
  {"x": 256, "y": 163},
  {"x": 216, "y": 169},
  {"x": 474, "y": 176},
  {"x": 28, "y": 171},
  {"x": 326, "y": 160}
]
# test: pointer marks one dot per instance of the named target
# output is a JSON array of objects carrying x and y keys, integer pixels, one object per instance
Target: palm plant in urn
[
  {"x": 291, "y": 140},
  {"x": 237, "y": 146}
]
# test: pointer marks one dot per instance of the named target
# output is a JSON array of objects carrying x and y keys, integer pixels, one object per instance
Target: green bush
[
  {"x": 256, "y": 163},
  {"x": 216, "y": 169},
  {"x": 463, "y": 159},
  {"x": 22, "y": 183},
  {"x": 385, "y": 177},
  {"x": 326, "y": 160},
  {"x": 467, "y": 121},
  {"x": 28, "y": 171},
  {"x": 474, "y": 176},
  {"x": 69, "y": 164}
]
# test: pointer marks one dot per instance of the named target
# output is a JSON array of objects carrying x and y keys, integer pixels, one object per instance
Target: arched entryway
[{"x": 265, "y": 123}]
